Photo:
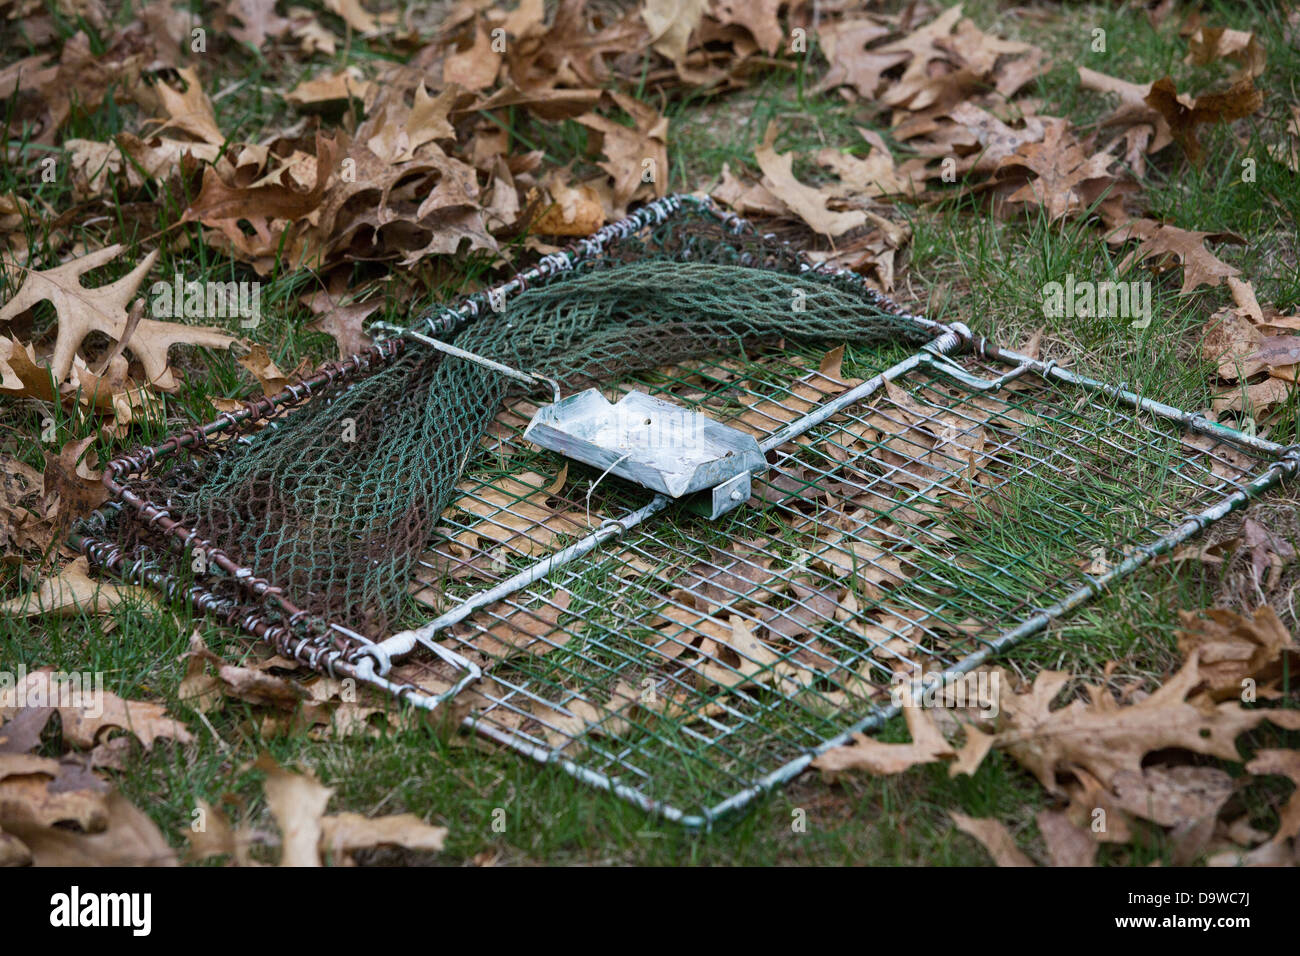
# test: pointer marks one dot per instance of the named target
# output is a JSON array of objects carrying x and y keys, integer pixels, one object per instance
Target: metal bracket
[{"x": 728, "y": 496}]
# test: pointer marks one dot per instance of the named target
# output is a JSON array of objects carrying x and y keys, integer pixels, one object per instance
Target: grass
[{"x": 962, "y": 264}]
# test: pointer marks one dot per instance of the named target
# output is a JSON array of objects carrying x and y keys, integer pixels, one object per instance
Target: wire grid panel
[{"x": 688, "y": 664}]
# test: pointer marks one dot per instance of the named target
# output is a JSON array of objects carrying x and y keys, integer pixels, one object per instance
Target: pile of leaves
[
  {"x": 65, "y": 811},
  {"x": 1118, "y": 760}
]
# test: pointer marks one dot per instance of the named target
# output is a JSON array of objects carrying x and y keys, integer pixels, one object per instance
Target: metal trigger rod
[{"x": 528, "y": 378}]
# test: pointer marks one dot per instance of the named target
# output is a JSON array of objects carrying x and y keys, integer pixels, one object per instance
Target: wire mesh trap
[{"x": 717, "y": 554}]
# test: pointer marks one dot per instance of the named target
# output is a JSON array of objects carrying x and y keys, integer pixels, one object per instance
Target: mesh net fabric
[{"x": 336, "y": 502}]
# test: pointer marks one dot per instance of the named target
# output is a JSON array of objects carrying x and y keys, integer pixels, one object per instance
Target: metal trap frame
[{"x": 921, "y": 512}]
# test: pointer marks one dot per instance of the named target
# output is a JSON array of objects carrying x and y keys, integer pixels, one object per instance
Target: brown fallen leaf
[
  {"x": 1163, "y": 241},
  {"x": 82, "y": 311},
  {"x": 671, "y": 23},
  {"x": 844, "y": 44},
  {"x": 268, "y": 374},
  {"x": 73, "y": 591},
  {"x": 1234, "y": 648},
  {"x": 1255, "y": 400},
  {"x": 759, "y": 17},
  {"x": 339, "y": 86},
  {"x": 1171, "y": 796},
  {"x": 475, "y": 65},
  {"x": 209, "y": 680},
  {"x": 1067, "y": 844},
  {"x": 127, "y": 838},
  {"x": 1105, "y": 738},
  {"x": 637, "y": 156},
  {"x": 189, "y": 111},
  {"x": 993, "y": 836},
  {"x": 259, "y": 19},
  {"x": 1133, "y": 111},
  {"x": 297, "y": 802},
  {"x": 568, "y": 210},
  {"x": 38, "y": 792},
  {"x": 24, "y": 522},
  {"x": 807, "y": 203},
  {"x": 219, "y": 201},
  {"x": 356, "y": 16},
  {"x": 69, "y": 478},
  {"x": 84, "y": 719},
  {"x": 1209, "y": 44},
  {"x": 1066, "y": 179},
  {"x": 215, "y": 837},
  {"x": 1184, "y": 115},
  {"x": 1232, "y": 342},
  {"x": 343, "y": 319},
  {"x": 347, "y": 832},
  {"x": 877, "y": 174},
  {"x": 867, "y": 753}
]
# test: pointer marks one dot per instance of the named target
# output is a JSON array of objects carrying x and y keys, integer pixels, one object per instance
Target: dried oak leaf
[
  {"x": 1146, "y": 129},
  {"x": 979, "y": 139},
  {"x": 567, "y": 210},
  {"x": 867, "y": 753},
  {"x": 128, "y": 838},
  {"x": 993, "y": 836},
  {"x": 69, "y": 478},
  {"x": 1234, "y": 647},
  {"x": 1157, "y": 239},
  {"x": 259, "y": 19},
  {"x": 83, "y": 725},
  {"x": 1067, "y": 180},
  {"x": 1171, "y": 796},
  {"x": 347, "y": 832},
  {"x": 343, "y": 319},
  {"x": 206, "y": 691},
  {"x": 82, "y": 311},
  {"x": 1208, "y": 44},
  {"x": 632, "y": 153},
  {"x": 475, "y": 66},
  {"x": 297, "y": 802},
  {"x": 1105, "y": 738},
  {"x": 358, "y": 17},
  {"x": 1184, "y": 114},
  {"x": 930, "y": 63},
  {"x": 1067, "y": 844},
  {"x": 1285, "y": 763},
  {"x": 190, "y": 111},
  {"x": 570, "y": 50},
  {"x": 218, "y": 201},
  {"x": 340, "y": 86},
  {"x": 1255, "y": 400},
  {"x": 844, "y": 43},
  {"x": 1231, "y": 342},
  {"x": 268, "y": 374},
  {"x": 38, "y": 792},
  {"x": 877, "y": 174},
  {"x": 671, "y": 23},
  {"x": 24, "y": 521},
  {"x": 73, "y": 591},
  {"x": 807, "y": 203},
  {"x": 759, "y": 17}
]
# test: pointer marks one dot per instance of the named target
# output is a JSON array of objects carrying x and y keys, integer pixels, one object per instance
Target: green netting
[{"x": 335, "y": 502}]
